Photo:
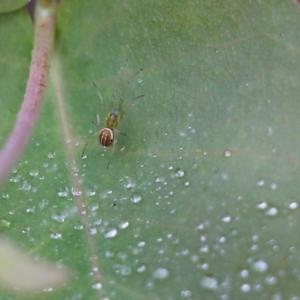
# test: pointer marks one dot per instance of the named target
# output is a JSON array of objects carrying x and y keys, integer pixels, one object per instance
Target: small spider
[{"x": 107, "y": 135}]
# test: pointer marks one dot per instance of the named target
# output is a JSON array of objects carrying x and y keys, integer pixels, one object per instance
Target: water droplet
[
  {"x": 204, "y": 249},
  {"x": 222, "y": 239},
  {"x": 51, "y": 154},
  {"x": 260, "y": 266},
  {"x": 53, "y": 168},
  {"x": 141, "y": 244},
  {"x": 76, "y": 191},
  {"x": 93, "y": 206},
  {"x": 136, "y": 198},
  {"x": 105, "y": 194},
  {"x": 15, "y": 179},
  {"x": 56, "y": 236},
  {"x": 262, "y": 205},
  {"x": 182, "y": 133},
  {"x": 97, "y": 286},
  {"x": 59, "y": 217},
  {"x": 123, "y": 225},
  {"x": 90, "y": 192},
  {"x": 257, "y": 287},
  {"x": 125, "y": 270},
  {"x": 244, "y": 273},
  {"x": 130, "y": 184},
  {"x": 109, "y": 254},
  {"x": 179, "y": 173},
  {"x": 98, "y": 222},
  {"x": 5, "y": 223},
  {"x": 273, "y": 186},
  {"x": 271, "y": 280},
  {"x": 43, "y": 203},
  {"x": 26, "y": 186},
  {"x": 270, "y": 130},
  {"x": 203, "y": 238},
  {"x": 224, "y": 176},
  {"x": 228, "y": 153},
  {"x": 34, "y": 173},
  {"x": 208, "y": 282},
  {"x": 185, "y": 252},
  {"x": 186, "y": 293},
  {"x": 260, "y": 183},
  {"x": 160, "y": 179},
  {"x": 226, "y": 219},
  {"x": 278, "y": 296},
  {"x": 141, "y": 269},
  {"x": 93, "y": 231},
  {"x": 272, "y": 212},
  {"x": 293, "y": 205},
  {"x": 161, "y": 273},
  {"x": 200, "y": 226},
  {"x": 78, "y": 226},
  {"x": 193, "y": 130},
  {"x": 112, "y": 233},
  {"x": 63, "y": 192},
  {"x": 30, "y": 209},
  {"x": 246, "y": 288}
]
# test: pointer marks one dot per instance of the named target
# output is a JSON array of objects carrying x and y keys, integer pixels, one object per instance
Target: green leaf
[{"x": 201, "y": 198}]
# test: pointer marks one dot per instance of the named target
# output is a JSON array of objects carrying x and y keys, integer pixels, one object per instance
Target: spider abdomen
[{"x": 106, "y": 137}]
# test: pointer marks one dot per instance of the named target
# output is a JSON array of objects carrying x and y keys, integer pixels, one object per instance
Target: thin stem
[{"x": 45, "y": 20}]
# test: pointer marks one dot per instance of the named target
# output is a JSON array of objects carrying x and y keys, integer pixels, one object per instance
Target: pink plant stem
[{"x": 45, "y": 20}]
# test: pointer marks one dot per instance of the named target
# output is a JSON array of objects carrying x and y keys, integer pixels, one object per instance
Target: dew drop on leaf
[
  {"x": 34, "y": 173},
  {"x": 272, "y": 212},
  {"x": 186, "y": 294},
  {"x": 260, "y": 266},
  {"x": 5, "y": 223},
  {"x": 260, "y": 183},
  {"x": 135, "y": 198},
  {"x": 97, "y": 286},
  {"x": 76, "y": 192},
  {"x": 63, "y": 192},
  {"x": 209, "y": 283},
  {"x": 123, "y": 225},
  {"x": 56, "y": 236},
  {"x": 141, "y": 269},
  {"x": 112, "y": 233},
  {"x": 293, "y": 205},
  {"x": 93, "y": 231},
  {"x": 161, "y": 273},
  {"x": 246, "y": 288},
  {"x": 228, "y": 153}
]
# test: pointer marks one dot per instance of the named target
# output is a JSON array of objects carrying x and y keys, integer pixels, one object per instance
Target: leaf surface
[{"x": 201, "y": 196}]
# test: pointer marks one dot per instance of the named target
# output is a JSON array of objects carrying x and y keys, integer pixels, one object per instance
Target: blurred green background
[{"x": 201, "y": 199}]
